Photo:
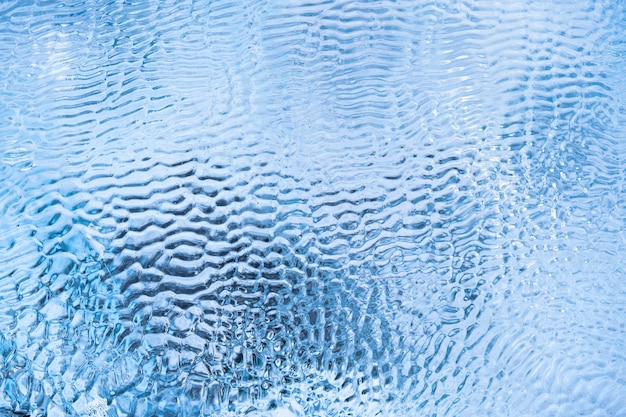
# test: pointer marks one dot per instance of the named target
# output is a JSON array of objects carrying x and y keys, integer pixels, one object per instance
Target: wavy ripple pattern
[{"x": 332, "y": 208}]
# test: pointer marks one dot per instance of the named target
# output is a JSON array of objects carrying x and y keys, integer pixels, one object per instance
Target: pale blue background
[{"x": 391, "y": 208}]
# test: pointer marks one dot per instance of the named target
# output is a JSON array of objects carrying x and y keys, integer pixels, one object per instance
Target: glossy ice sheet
[{"x": 393, "y": 208}]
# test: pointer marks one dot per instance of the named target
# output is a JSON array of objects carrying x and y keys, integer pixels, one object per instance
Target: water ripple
[{"x": 332, "y": 208}]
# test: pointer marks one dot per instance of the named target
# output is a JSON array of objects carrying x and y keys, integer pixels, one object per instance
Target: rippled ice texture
[{"x": 325, "y": 208}]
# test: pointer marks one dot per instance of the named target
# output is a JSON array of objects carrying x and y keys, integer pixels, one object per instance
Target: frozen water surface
[{"x": 312, "y": 208}]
